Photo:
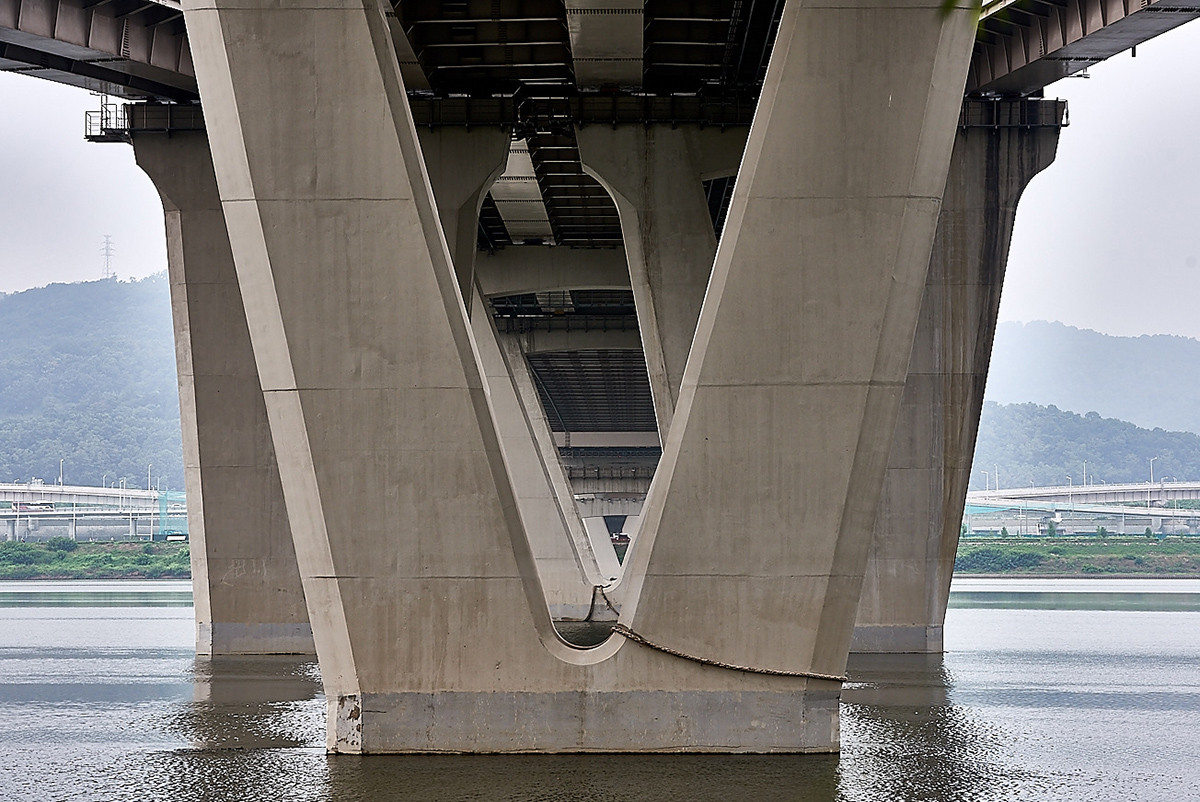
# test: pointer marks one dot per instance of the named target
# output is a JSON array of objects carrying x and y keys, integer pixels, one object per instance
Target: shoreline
[
  {"x": 1012, "y": 575},
  {"x": 1026, "y": 575}
]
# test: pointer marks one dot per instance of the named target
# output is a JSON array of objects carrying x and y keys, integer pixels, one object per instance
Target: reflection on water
[
  {"x": 250, "y": 703},
  {"x": 123, "y": 593},
  {"x": 1077, "y": 594},
  {"x": 585, "y": 633},
  {"x": 911, "y": 741},
  {"x": 1024, "y": 600},
  {"x": 109, "y": 703}
]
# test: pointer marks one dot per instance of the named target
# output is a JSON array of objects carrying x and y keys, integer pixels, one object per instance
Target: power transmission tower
[{"x": 107, "y": 252}]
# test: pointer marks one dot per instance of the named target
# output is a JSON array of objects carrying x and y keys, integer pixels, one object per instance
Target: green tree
[{"x": 63, "y": 544}]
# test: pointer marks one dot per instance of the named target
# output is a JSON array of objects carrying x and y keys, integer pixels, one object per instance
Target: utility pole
[{"x": 1150, "y": 489}]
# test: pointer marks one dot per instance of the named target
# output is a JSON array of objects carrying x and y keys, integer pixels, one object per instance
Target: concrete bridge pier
[
  {"x": 568, "y": 565},
  {"x": 757, "y": 525},
  {"x": 247, "y": 591},
  {"x": 999, "y": 148},
  {"x": 655, "y": 175},
  {"x": 462, "y": 164},
  {"x": 430, "y": 622}
]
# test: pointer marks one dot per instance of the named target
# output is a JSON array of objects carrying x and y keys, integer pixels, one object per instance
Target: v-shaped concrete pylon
[{"x": 429, "y": 621}]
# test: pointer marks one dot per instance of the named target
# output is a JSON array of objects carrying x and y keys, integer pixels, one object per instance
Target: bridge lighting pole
[
  {"x": 148, "y": 467},
  {"x": 986, "y": 486},
  {"x": 60, "y": 473},
  {"x": 1070, "y": 486}
]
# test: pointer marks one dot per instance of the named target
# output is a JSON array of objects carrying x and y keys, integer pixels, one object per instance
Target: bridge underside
[
  {"x": 452, "y": 283},
  {"x": 415, "y": 421}
]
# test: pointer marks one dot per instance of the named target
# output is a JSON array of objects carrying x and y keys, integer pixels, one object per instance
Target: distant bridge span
[{"x": 1159, "y": 493}]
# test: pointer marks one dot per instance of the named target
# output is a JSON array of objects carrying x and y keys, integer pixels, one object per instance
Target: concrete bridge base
[{"x": 619, "y": 721}]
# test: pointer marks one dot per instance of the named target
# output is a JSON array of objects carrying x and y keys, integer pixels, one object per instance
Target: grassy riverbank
[
  {"x": 60, "y": 558},
  {"x": 1092, "y": 556}
]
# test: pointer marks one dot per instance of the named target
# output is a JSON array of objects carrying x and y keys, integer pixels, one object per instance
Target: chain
[{"x": 626, "y": 632}]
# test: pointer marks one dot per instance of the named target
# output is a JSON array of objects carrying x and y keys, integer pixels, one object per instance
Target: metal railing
[
  {"x": 116, "y": 122},
  {"x": 610, "y": 473},
  {"x": 1002, "y": 113},
  {"x": 110, "y": 123}
]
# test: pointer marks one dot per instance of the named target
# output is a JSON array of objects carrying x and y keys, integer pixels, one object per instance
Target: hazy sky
[{"x": 1107, "y": 238}]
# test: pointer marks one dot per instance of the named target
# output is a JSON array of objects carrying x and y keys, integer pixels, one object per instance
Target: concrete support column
[
  {"x": 568, "y": 565},
  {"x": 755, "y": 533},
  {"x": 601, "y": 542},
  {"x": 907, "y": 583},
  {"x": 73, "y": 529},
  {"x": 421, "y": 587},
  {"x": 462, "y": 165},
  {"x": 246, "y": 586},
  {"x": 655, "y": 175},
  {"x": 11, "y": 532}
]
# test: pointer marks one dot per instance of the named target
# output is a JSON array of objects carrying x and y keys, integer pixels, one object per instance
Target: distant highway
[
  {"x": 1160, "y": 494},
  {"x": 25, "y": 508}
]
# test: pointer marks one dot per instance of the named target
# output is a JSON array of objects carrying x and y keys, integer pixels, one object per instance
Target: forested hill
[
  {"x": 1152, "y": 381},
  {"x": 1029, "y": 443},
  {"x": 87, "y": 375}
]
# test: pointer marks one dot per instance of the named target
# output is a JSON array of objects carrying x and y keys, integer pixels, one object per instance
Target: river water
[{"x": 1049, "y": 690}]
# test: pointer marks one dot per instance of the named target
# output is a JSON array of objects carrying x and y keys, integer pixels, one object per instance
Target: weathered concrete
[
  {"x": 915, "y": 537},
  {"x": 245, "y": 583},
  {"x": 655, "y": 175},
  {"x": 602, "y": 547},
  {"x": 429, "y": 619},
  {"x": 764, "y": 500},
  {"x": 514, "y": 271},
  {"x": 462, "y": 165},
  {"x": 567, "y": 564}
]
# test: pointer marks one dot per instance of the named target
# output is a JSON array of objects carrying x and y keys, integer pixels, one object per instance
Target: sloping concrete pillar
[
  {"x": 246, "y": 586},
  {"x": 907, "y": 583},
  {"x": 655, "y": 175},
  {"x": 462, "y": 165},
  {"x": 568, "y": 566},
  {"x": 430, "y": 623},
  {"x": 754, "y": 535},
  {"x": 421, "y": 588}
]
